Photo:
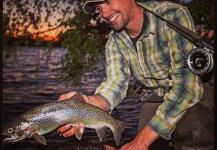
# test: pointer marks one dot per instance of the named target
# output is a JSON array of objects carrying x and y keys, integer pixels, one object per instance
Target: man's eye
[
  {"x": 108, "y": 1},
  {"x": 97, "y": 9}
]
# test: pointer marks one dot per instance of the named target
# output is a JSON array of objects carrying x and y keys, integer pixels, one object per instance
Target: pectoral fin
[
  {"x": 101, "y": 133},
  {"x": 34, "y": 128},
  {"x": 39, "y": 138},
  {"x": 79, "y": 130}
]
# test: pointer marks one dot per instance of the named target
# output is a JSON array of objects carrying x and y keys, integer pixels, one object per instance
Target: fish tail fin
[{"x": 118, "y": 130}]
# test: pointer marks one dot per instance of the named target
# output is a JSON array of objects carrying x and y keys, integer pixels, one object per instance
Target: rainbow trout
[{"x": 46, "y": 118}]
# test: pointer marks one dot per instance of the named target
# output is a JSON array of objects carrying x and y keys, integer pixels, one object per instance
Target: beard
[{"x": 119, "y": 24}]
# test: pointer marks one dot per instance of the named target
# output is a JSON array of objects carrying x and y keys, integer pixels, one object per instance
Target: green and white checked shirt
[{"x": 158, "y": 63}]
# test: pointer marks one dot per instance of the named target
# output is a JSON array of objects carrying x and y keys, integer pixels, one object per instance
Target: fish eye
[{"x": 10, "y": 130}]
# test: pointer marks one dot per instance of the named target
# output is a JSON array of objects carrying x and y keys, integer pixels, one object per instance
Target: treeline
[{"x": 27, "y": 41}]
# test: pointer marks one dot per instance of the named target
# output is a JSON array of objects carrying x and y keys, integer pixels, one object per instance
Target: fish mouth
[{"x": 13, "y": 138}]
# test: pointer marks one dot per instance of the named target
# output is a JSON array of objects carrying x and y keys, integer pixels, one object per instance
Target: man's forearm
[{"x": 148, "y": 136}]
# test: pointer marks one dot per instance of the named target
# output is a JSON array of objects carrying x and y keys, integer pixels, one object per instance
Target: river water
[{"x": 31, "y": 78}]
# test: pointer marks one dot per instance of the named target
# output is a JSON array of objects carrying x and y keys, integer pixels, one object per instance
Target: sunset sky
[{"x": 10, "y": 10}]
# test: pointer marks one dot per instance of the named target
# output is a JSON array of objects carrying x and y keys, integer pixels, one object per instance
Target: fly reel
[{"x": 200, "y": 61}]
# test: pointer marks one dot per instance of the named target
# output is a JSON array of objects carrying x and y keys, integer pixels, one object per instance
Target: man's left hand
[{"x": 142, "y": 141}]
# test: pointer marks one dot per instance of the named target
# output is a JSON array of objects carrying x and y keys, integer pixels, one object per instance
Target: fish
[{"x": 47, "y": 117}]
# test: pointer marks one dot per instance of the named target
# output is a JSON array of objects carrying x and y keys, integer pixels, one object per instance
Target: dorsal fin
[{"x": 77, "y": 96}]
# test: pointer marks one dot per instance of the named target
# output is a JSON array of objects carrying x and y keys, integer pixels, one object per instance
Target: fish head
[{"x": 17, "y": 130}]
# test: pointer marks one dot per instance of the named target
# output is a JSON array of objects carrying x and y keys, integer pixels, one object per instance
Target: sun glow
[{"x": 34, "y": 20}]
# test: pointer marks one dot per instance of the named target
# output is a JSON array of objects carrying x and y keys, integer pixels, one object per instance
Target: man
[{"x": 144, "y": 46}]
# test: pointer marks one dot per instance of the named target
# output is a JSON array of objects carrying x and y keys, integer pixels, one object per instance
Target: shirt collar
[{"x": 151, "y": 24}]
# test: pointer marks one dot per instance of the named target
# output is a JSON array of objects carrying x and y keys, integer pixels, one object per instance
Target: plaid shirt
[{"x": 158, "y": 63}]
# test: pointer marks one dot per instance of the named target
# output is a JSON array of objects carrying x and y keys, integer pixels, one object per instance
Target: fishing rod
[{"x": 199, "y": 60}]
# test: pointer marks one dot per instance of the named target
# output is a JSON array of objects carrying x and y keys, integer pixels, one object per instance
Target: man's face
[{"x": 115, "y": 12}]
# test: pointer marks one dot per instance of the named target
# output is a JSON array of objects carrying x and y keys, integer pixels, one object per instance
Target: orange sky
[
  {"x": 43, "y": 25},
  {"x": 47, "y": 36}
]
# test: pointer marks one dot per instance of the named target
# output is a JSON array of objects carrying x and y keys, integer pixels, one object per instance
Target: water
[{"x": 30, "y": 80}]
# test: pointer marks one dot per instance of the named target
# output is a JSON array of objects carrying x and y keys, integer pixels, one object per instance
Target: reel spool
[{"x": 200, "y": 61}]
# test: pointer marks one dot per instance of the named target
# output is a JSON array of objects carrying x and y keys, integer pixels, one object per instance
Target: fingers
[
  {"x": 69, "y": 133},
  {"x": 64, "y": 128},
  {"x": 66, "y": 131}
]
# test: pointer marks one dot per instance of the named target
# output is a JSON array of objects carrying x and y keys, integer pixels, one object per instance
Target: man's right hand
[{"x": 68, "y": 130}]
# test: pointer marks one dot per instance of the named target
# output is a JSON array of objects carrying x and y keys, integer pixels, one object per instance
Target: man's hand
[
  {"x": 68, "y": 130},
  {"x": 142, "y": 141}
]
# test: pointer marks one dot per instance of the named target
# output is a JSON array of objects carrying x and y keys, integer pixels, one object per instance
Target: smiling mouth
[{"x": 112, "y": 18}]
